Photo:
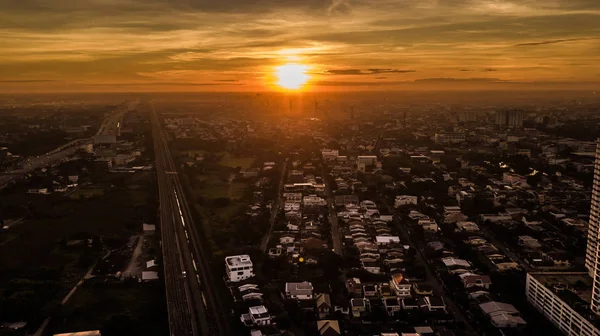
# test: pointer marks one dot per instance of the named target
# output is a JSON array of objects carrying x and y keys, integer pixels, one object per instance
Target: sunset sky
[{"x": 236, "y": 45}]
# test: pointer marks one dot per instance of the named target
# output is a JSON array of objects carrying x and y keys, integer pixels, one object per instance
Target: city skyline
[{"x": 338, "y": 45}]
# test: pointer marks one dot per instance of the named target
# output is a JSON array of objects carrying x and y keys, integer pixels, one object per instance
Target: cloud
[
  {"x": 227, "y": 80},
  {"x": 374, "y": 71},
  {"x": 556, "y": 41},
  {"x": 457, "y": 80},
  {"x": 28, "y": 81}
]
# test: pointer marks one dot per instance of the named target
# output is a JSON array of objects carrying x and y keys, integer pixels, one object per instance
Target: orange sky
[{"x": 235, "y": 45}]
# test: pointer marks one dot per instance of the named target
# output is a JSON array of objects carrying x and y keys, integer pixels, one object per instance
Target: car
[{"x": 184, "y": 274}]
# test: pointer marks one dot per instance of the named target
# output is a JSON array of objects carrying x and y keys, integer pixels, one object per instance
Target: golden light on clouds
[
  {"x": 241, "y": 45},
  {"x": 292, "y": 76}
]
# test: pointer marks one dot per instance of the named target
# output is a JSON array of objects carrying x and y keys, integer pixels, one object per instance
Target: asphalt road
[
  {"x": 275, "y": 208},
  {"x": 193, "y": 305},
  {"x": 336, "y": 236}
]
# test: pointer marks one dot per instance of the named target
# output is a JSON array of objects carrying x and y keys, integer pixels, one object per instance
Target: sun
[{"x": 292, "y": 76}]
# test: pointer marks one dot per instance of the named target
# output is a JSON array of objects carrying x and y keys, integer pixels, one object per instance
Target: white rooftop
[
  {"x": 238, "y": 260},
  {"x": 449, "y": 262},
  {"x": 258, "y": 310},
  {"x": 387, "y": 239}
]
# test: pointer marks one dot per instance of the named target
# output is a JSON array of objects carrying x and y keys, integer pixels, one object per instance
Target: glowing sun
[{"x": 291, "y": 76}]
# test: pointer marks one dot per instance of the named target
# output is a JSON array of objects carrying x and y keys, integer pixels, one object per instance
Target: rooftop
[{"x": 238, "y": 260}]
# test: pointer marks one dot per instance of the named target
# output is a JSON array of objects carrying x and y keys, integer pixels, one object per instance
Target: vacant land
[
  {"x": 86, "y": 193},
  {"x": 127, "y": 306},
  {"x": 62, "y": 236}
]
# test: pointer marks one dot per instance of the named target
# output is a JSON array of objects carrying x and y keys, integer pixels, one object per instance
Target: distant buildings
[
  {"x": 510, "y": 118},
  {"x": 450, "y": 138}
]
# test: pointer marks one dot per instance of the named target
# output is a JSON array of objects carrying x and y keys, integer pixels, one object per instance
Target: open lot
[{"x": 99, "y": 306}]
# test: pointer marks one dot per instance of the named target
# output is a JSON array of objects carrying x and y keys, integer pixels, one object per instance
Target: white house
[{"x": 239, "y": 267}]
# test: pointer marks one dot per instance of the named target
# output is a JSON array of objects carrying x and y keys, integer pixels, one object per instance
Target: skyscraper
[{"x": 592, "y": 254}]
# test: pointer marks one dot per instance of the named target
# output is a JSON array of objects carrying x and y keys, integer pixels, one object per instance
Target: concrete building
[
  {"x": 511, "y": 118},
  {"x": 239, "y": 268},
  {"x": 592, "y": 255},
  {"x": 564, "y": 298}
]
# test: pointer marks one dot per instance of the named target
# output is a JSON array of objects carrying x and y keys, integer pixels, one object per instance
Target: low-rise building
[
  {"x": 564, "y": 299},
  {"x": 239, "y": 268},
  {"x": 299, "y": 290}
]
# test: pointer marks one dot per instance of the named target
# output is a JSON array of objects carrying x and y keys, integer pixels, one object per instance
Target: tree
[{"x": 119, "y": 325}]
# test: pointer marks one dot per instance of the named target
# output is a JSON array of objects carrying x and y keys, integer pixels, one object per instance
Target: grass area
[
  {"x": 233, "y": 209},
  {"x": 86, "y": 193},
  {"x": 211, "y": 187},
  {"x": 93, "y": 305},
  {"x": 229, "y": 160}
]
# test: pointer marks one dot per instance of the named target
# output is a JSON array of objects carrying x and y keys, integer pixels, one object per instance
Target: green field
[
  {"x": 229, "y": 160},
  {"x": 211, "y": 187}
]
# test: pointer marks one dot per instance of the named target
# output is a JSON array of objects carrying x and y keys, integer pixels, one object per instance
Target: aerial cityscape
[{"x": 300, "y": 168}]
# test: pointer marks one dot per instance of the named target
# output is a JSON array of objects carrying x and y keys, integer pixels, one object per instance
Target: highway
[
  {"x": 194, "y": 307},
  {"x": 110, "y": 125}
]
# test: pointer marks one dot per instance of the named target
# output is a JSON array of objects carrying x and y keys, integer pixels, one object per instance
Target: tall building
[
  {"x": 571, "y": 300},
  {"x": 592, "y": 255},
  {"x": 510, "y": 118}
]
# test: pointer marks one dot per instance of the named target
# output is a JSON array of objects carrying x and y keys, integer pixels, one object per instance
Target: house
[
  {"x": 239, "y": 267},
  {"x": 354, "y": 287},
  {"x": 148, "y": 229},
  {"x": 502, "y": 315},
  {"x": 392, "y": 305},
  {"x": 409, "y": 304},
  {"x": 257, "y": 316},
  {"x": 422, "y": 289},
  {"x": 428, "y": 224},
  {"x": 299, "y": 290},
  {"x": 385, "y": 290},
  {"x": 432, "y": 304},
  {"x": 149, "y": 276},
  {"x": 370, "y": 290},
  {"x": 401, "y": 286},
  {"x": 328, "y": 328},
  {"x": 466, "y": 227},
  {"x": 473, "y": 280},
  {"x": 151, "y": 264},
  {"x": 387, "y": 240},
  {"x": 250, "y": 292},
  {"x": 323, "y": 305},
  {"x": 456, "y": 266},
  {"x": 359, "y": 306},
  {"x": 529, "y": 242},
  {"x": 475, "y": 292},
  {"x": 405, "y": 200},
  {"x": 286, "y": 239}
]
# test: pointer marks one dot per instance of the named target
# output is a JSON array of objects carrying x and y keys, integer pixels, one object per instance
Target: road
[
  {"x": 275, "y": 208},
  {"x": 336, "y": 236},
  {"x": 194, "y": 307},
  {"x": 110, "y": 125},
  {"x": 432, "y": 280}
]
